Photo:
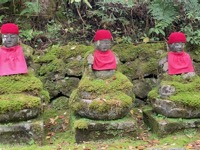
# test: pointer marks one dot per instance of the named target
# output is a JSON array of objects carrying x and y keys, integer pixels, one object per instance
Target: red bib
[
  {"x": 179, "y": 63},
  {"x": 12, "y": 61},
  {"x": 104, "y": 60}
]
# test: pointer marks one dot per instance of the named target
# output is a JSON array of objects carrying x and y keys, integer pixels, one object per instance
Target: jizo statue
[
  {"x": 103, "y": 60},
  {"x": 12, "y": 59}
]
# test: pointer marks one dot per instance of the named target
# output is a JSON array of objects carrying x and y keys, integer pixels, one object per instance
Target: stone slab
[
  {"x": 25, "y": 132},
  {"x": 102, "y": 130},
  {"x": 162, "y": 126}
]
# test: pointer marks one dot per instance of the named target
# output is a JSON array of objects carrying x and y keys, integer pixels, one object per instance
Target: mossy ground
[{"x": 59, "y": 138}]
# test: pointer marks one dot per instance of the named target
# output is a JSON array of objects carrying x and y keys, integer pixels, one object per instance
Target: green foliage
[
  {"x": 77, "y": 2},
  {"x": 29, "y": 34},
  {"x": 193, "y": 36},
  {"x": 128, "y": 3},
  {"x": 169, "y": 13},
  {"x": 164, "y": 12},
  {"x": 4, "y": 1},
  {"x": 32, "y": 8}
]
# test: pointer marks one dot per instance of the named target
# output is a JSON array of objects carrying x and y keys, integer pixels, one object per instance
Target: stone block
[
  {"x": 93, "y": 130},
  {"x": 162, "y": 125},
  {"x": 27, "y": 132}
]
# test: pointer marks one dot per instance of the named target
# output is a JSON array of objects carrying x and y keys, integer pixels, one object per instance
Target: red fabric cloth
[
  {"x": 102, "y": 35},
  {"x": 177, "y": 37},
  {"x": 12, "y": 61},
  {"x": 104, "y": 60},
  {"x": 9, "y": 28},
  {"x": 179, "y": 63}
]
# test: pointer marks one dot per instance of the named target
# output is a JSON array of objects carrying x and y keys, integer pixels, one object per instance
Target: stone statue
[
  {"x": 103, "y": 61},
  {"x": 178, "y": 62},
  {"x": 103, "y": 92},
  {"x": 12, "y": 59},
  {"x": 21, "y": 94},
  {"x": 177, "y": 95}
]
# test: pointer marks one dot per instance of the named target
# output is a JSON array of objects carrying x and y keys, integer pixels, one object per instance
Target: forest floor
[{"x": 59, "y": 136}]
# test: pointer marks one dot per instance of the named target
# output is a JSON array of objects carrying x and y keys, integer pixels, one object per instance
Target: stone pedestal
[
  {"x": 87, "y": 129},
  {"x": 162, "y": 125},
  {"x": 22, "y": 132}
]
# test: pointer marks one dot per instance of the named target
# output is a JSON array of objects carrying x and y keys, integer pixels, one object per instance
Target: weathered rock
[
  {"x": 175, "y": 110},
  {"x": 104, "y": 74},
  {"x": 60, "y": 103},
  {"x": 87, "y": 129},
  {"x": 163, "y": 126},
  {"x": 114, "y": 112},
  {"x": 61, "y": 68},
  {"x": 67, "y": 85},
  {"x": 166, "y": 91},
  {"x": 139, "y": 60},
  {"x": 22, "y": 132},
  {"x": 142, "y": 88},
  {"x": 21, "y": 115}
]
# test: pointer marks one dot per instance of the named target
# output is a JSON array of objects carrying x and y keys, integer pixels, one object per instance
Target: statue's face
[
  {"x": 10, "y": 40},
  {"x": 103, "y": 45},
  {"x": 176, "y": 47}
]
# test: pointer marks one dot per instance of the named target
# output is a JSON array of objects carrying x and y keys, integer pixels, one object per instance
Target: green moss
[
  {"x": 107, "y": 94},
  {"x": 187, "y": 90},
  {"x": 153, "y": 94},
  {"x": 111, "y": 101},
  {"x": 129, "y": 52},
  {"x": 81, "y": 124},
  {"x": 20, "y": 83},
  {"x": 55, "y": 65},
  {"x": 44, "y": 95},
  {"x": 118, "y": 82},
  {"x": 139, "y": 60},
  {"x": 15, "y": 102}
]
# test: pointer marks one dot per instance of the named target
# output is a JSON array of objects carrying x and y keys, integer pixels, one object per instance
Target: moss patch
[
  {"x": 139, "y": 60},
  {"x": 81, "y": 124},
  {"x": 15, "y": 102},
  {"x": 20, "y": 83},
  {"x": 118, "y": 82},
  {"x": 112, "y": 93},
  {"x": 187, "y": 90},
  {"x": 111, "y": 101}
]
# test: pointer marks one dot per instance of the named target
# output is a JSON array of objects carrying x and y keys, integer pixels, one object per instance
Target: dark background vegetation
[{"x": 47, "y": 22}]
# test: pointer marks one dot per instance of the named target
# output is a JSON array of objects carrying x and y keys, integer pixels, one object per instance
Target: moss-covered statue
[
  {"x": 103, "y": 92},
  {"x": 20, "y": 92},
  {"x": 178, "y": 93}
]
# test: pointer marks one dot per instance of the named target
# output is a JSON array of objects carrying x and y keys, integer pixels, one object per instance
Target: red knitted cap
[
  {"x": 177, "y": 37},
  {"x": 9, "y": 28},
  {"x": 102, "y": 35}
]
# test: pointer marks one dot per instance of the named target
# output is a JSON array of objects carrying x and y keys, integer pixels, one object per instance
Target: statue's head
[
  {"x": 10, "y": 34},
  {"x": 176, "y": 41},
  {"x": 103, "y": 40}
]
